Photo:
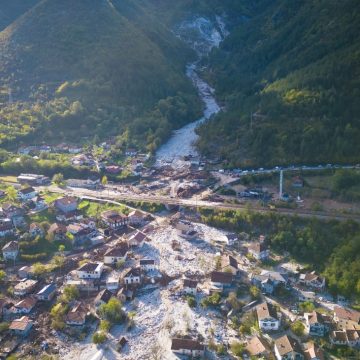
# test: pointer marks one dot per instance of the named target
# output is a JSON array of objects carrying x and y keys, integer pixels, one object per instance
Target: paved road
[
  {"x": 239, "y": 172},
  {"x": 111, "y": 196}
]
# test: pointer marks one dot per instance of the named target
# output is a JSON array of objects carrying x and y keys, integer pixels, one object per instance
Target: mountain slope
[
  {"x": 289, "y": 78},
  {"x": 10, "y": 10},
  {"x": 90, "y": 68}
]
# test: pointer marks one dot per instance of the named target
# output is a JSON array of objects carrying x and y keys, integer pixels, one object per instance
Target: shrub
[
  {"x": 99, "y": 337},
  {"x": 298, "y": 328},
  {"x": 191, "y": 301}
]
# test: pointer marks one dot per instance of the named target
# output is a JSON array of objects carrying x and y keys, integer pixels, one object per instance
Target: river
[{"x": 202, "y": 35}]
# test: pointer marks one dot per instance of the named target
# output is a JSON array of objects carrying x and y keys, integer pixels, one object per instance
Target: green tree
[
  {"x": 4, "y": 326},
  {"x": 306, "y": 306},
  {"x": 70, "y": 293},
  {"x": 58, "y": 179},
  {"x": 255, "y": 292},
  {"x": 99, "y": 337},
  {"x": 237, "y": 348},
  {"x": 105, "y": 326},
  {"x": 191, "y": 301},
  {"x": 39, "y": 269},
  {"x": 11, "y": 193},
  {"x": 112, "y": 311},
  {"x": 2, "y": 275},
  {"x": 298, "y": 328},
  {"x": 61, "y": 248},
  {"x": 104, "y": 180}
]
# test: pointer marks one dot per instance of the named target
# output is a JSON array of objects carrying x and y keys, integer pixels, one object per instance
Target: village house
[
  {"x": 314, "y": 352},
  {"x": 353, "y": 338},
  {"x": 316, "y": 324},
  {"x": 133, "y": 276},
  {"x": 137, "y": 218},
  {"x": 14, "y": 213},
  {"x": 231, "y": 239},
  {"x": 346, "y": 318},
  {"x": 188, "y": 347},
  {"x": 21, "y": 326},
  {"x": 338, "y": 337},
  {"x": 6, "y": 227},
  {"x": 259, "y": 251},
  {"x": 147, "y": 264},
  {"x": 258, "y": 347},
  {"x": 116, "y": 254},
  {"x": 345, "y": 337},
  {"x": 69, "y": 216},
  {"x": 185, "y": 229},
  {"x": 66, "y": 204},
  {"x": 312, "y": 280},
  {"x": 26, "y": 194},
  {"x": 112, "y": 282},
  {"x": 268, "y": 281},
  {"x": 103, "y": 297},
  {"x": 113, "y": 169},
  {"x": 57, "y": 231},
  {"x": 305, "y": 295},
  {"x": 47, "y": 293},
  {"x": 287, "y": 348},
  {"x": 24, "y": 306},
  {"x": 25, "y": 272},
  {"x": 80, "y": 233},
  {"x": 38, "y": 203},
  {"x": 113, "y": 219},
  {"x": 35, "y": 230},
  {"x": 131, "y": 152},
  {"x": 125, "y": 294},
  {"x": 85, "y": 285},
  {"x": 76, "y": 315},
  {"x": 90, "y": 270},
  {"x": 267, "y": 317},
  {"x": 229, "y": 264},
  {"x": 189, "y": 287},
  {"x": 90, "y": 184},
  {"x": 297, "y": 182},
  {"x": 137, "y": 239},
  {"x": 3, "y": 303},
  {"x": 88, "y": 223},
  {"x": 10, "y": 251},
  {"x": 220, "y": 280},
  {"x": 122, "y": 343},
  {"x": 33, "y": 179},
  {"x": 24, "y": 287}
]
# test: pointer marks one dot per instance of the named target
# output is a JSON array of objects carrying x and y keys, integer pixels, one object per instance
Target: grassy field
[
  {"x": 8, "y": 179},
  {"x": 93, "y": 209}
]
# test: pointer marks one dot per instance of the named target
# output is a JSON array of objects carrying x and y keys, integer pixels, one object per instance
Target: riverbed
[{"x": 182, "y": 142}]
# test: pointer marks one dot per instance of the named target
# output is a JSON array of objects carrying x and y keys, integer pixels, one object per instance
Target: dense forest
[
  {"x": 332, "y": 248},
  {"x": 80, "y": 68},
  {"x": 289, "y": 80}
]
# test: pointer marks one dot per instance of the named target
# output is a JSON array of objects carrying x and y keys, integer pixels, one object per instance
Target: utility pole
[
  {"x": 281, "y": 184},
  {"x": 10, "y": 97}
]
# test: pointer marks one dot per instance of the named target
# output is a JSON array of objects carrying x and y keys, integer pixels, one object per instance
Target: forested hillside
[
  {"x": 89, "y": 66},
  {"x": 289, "y": 79}
]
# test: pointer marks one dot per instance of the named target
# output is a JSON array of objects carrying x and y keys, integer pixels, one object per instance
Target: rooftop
[
  {"x": 257, "y": 346},
  {"x": 20, "y": 324},
  {"x": 90, "y": 267},
  {"x": 286, "y": 344},
  {"x": 178, "y": 344},
  {"x": 221, "y": 277},
  {"x": 265, "y": 311},
  {"x": 347, "y": 314},
  {"x": 11, "y": 246}
]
